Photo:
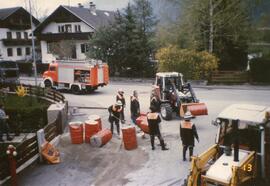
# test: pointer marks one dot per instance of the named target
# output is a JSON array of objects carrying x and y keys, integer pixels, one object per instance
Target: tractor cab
[
  {"x": 174, "y": 95},
  {"x": 242, "y": 151}
]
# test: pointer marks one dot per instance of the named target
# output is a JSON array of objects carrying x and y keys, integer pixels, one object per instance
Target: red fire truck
[{"x": 77, "y": 76}]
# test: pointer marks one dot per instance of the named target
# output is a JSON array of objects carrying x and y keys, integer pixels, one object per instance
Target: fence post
[
  {"x": 11, "y": 152},
  {"x": 41, "y": 140}
]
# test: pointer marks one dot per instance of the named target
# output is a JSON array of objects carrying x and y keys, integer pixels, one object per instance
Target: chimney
[
  {"x": 80, "y": 5},
  {"x": 92, "y": 7}
]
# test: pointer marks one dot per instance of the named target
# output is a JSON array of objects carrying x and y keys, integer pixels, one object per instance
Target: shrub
[
  {"x": 26, "y": 114},
  {"x": 192, "y": 64},
  {"x": 260, "y": 70}
]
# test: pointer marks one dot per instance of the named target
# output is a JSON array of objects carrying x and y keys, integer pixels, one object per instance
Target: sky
[{"x": 44, "y": 7}]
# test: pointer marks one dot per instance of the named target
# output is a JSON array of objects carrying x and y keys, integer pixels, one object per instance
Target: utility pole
[
  {"x": 211, "y": 33},
  {"x": 33, "y": 44}
]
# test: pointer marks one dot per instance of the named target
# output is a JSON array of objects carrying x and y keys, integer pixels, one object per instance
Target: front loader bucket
[{"x": 196, "y": 109}]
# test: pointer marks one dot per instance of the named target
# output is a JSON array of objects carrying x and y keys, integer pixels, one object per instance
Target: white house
[
  {"x": 74, "y": 24},
  {"x": 15, "y": 29}
]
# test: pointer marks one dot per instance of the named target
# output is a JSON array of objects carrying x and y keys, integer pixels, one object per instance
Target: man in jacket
[
  {"x": 114, "y": 115},
  {"x": 134, "y": 107},
  {"x": 3, "y": 124},
  {"x": 120, "y": 97},
  {"x": 187, "y": 133},
  {"x": 154, "y": 120}
]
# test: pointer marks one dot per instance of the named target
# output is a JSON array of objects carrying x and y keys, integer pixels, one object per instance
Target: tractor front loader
[{"x": 176, "y": 96}]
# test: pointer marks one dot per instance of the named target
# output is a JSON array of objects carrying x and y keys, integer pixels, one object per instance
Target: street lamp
[{"x": 33, "y": 44}]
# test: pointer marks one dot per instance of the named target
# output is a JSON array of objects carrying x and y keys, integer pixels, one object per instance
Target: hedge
[
  {"x": 26, "y": 114},
  {"x": 192, "y": 64},
  {"x": 260, "y": 70}
]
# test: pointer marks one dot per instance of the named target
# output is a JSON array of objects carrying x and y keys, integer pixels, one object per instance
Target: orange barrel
[
  {"x": 144, "y": 126},
  {"x": 196, "y": 109},
  {"x": 76, "y": 132},
  {"x": 96, "y": 118},
  {"x": 129, "y": 138},
  {"x": 91, "y": 128},
  {"x": 101, "y": 138}
]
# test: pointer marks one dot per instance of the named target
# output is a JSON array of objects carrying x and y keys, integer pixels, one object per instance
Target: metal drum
[
  {"x": 101, "y": 138},
  {"x": 96, "y": 118},
  {"x": 76, "y": 132},
  {"x": 91, "y": 128},
  {"x": 129, "y": 138}
]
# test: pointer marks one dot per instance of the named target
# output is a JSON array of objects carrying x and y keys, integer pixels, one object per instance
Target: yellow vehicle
[{"x": 241, "y": 153}]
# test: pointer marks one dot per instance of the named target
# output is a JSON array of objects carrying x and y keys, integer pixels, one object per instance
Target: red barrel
[
  {"x": 144, "y": 126},
  {"x": 91, "y": 128},
  {"x": 76, "y": 132},
  {"x": 129, "y": 138},
  {"x": 141, "y": 121},
  {"x": 101, "y": 138},
  {"x": 96, "y": 118}
]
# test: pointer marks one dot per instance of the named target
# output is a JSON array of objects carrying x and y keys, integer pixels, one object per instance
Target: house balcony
[
  {"x": 18, "y": 42},
  {"x": 54, "y": 37}
]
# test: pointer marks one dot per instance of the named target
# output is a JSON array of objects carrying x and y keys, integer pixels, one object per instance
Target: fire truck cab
[{"x": 77, "y": 76}]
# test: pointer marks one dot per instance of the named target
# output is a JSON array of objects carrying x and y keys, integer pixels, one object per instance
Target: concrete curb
[{"x": 195, "y": 83}]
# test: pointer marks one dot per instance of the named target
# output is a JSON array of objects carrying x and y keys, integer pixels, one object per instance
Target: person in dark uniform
[
  {"x": 3, "y": 124},
  {"x": 120, "y": 97},
  {"x": 134, "y": 106},
  {"x": 187, "y": 133},
  {"x": 114, "y": 117},
  {"x": 155, "y": 103},
  {"x": 153, "y": 124}
]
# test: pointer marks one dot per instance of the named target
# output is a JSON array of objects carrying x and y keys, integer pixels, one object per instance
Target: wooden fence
[
  {"x": 28, "y": 149},
  {"x": 43, "y": 93}
]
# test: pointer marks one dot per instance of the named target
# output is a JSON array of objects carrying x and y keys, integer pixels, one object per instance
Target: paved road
[{"x": 158, "y": 167}]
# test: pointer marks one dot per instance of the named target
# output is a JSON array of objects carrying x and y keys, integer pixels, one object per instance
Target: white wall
[
  {"x": 53, "y": 27},
  {"x": 80, "y": 55},
  {"x": 46, "y": 58},
  {"x": 3, "y": 33},
  {"x": 14, "y": 57}
]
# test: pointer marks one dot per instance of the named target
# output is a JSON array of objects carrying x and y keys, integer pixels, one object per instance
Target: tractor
[
  {"x": 241, "y": 153},
  {"x": 173, "y": 95}
]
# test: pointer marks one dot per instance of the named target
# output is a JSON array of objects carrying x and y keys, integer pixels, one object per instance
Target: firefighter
[
  {"x": 187, "y": 133},
  {"x": 153, "y": 123},
  {"x": 120, "y": 97},
  {"x": 3, "y": 124},
  {"x": 114, "y": 117},
  {"x": 134, "y": 107},
  {"x": 155, "y": 103}
]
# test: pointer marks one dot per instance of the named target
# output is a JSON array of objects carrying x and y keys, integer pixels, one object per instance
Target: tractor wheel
[
  {"x": 48, "y": 84},
  {"x": 75, "y": 89},
  {"x": 166, "y": 111}
]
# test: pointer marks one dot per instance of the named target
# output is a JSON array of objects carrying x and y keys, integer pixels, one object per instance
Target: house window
[
  {"x": 19, "y": 52},
  {"x": 84, "y": 48},
  {"x": 9, "y": 35},
  {"x": 68, "y": 28},
  {"x": 78, "y": 28},
  {"x": 27, "y": 51},
  {"x": 9, "y": 51},
  {"x": 25, "y": 35},
  {"x": 19, "y": 35}
]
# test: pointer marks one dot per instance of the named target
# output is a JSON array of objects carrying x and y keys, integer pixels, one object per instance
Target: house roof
[
  {"x": 5, "y": 12},
  {"x": 95, "y": 20}
]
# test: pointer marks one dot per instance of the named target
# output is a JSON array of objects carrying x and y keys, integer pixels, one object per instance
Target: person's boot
[
  {"x": 163, "y": 146},
  {"x": 190, "y": 153},
  {"x": 153, "y": 142}
]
